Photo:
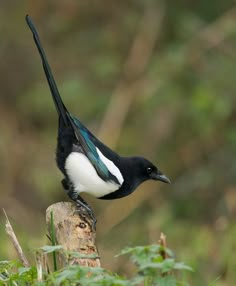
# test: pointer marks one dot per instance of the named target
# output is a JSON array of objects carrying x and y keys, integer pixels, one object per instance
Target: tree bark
[{"x": 73, "y": 230}]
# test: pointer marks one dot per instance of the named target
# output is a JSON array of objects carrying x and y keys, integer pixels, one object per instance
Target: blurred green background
[{"x": 154, "y": 78}]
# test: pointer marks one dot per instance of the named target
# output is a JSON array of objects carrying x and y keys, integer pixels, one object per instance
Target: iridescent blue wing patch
[{"x": 90, "y": 151}]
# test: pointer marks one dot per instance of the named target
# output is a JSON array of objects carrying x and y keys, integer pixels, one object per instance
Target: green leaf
[
  {"x": 23, "y": 270},
  {"x": 167, "y": 265},
  {"x": 182, "y": 266},
  {"x": 166, "y": 281},
  {"x": 50, "y": 248}
]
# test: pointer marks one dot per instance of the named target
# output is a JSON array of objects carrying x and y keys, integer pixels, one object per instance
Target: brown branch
[
  {"x": 15, "y": 242},
  {"x": 74, "y": 232}
]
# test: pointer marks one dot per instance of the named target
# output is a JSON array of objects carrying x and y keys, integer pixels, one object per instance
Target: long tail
[{"x": 61, "y": 109}]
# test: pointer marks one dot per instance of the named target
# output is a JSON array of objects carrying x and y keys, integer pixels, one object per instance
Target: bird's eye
[{"x": 149, "y": 170}]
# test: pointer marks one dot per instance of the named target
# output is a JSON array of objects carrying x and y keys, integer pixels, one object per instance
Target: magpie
[{"x": 87, "y": 164}]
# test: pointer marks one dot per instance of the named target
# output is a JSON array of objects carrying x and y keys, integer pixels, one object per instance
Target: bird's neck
[{"x": 131, "y": 173}]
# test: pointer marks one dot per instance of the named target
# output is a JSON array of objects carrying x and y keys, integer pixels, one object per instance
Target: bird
[{"x": 87, "y": 164}]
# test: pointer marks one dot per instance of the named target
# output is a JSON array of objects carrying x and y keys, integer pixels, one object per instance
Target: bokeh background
[{"x": 154, "y": 78}]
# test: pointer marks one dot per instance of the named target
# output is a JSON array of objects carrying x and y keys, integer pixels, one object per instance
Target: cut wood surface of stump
[{"x": 74, "y": 232}]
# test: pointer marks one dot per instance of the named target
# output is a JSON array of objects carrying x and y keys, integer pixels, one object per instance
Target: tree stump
[{"x": 73, "y": 231}]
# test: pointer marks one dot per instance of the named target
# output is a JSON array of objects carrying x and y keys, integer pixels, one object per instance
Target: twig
[
  {"x": 38, "y": 258},
  {"x": 162, "y": 242},
  {"x": 15, "y": 241},
  {"x": 41, "y": 264}
]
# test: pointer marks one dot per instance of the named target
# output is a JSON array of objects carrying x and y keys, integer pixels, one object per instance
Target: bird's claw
[{"x": 85, "y": 208}]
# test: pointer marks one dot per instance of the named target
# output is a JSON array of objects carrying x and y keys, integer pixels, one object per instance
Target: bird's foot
[{"x": 81, "y": 204}]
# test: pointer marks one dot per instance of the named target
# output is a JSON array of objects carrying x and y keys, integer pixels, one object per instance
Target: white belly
[{"x": 85, "y": 178}]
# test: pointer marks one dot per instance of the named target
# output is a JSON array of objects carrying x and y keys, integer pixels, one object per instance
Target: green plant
[{"x": 156, "y": 265}]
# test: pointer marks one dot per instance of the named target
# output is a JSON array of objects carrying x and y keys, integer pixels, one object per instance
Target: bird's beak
[{"x": 160, "y": 177}]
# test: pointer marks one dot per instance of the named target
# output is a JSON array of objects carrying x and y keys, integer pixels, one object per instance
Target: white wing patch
[
  {"x": 85, "y": 178},
  {"x": 111, "y": 167}
]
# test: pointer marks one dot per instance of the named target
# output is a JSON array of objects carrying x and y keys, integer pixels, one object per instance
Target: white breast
[{"x": 85, "y": 178}]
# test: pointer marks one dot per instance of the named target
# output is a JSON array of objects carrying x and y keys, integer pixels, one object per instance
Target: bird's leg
[{"x": 80, "y": 202}]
